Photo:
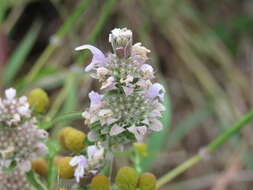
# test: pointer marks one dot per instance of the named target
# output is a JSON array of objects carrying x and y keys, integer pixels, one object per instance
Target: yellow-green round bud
[
  {"x": 65, "y": 170},
  {"x": 147, "y": 181},
  {"x": 40, "y": 166},
  {"x": 100, "y": 182},
  {"x": 72, "y": 139},
  {"x": 141, "y": 149},
  {"x": 127, "y": 179},
  {"x": 61, "y": 188},
  {"x": 38, "y": 99}
]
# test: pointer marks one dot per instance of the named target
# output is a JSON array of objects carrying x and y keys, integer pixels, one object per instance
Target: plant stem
[
  {"x": 210, "y": 148},
  {"x": 35, "y": 181},
  {"x": 64, "y": 117}
]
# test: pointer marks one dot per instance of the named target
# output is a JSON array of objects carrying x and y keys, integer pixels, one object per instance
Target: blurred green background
[{"x": 202, "y": 51}]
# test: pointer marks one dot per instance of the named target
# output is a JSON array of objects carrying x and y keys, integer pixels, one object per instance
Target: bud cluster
[{"x": 131, "y": 104}]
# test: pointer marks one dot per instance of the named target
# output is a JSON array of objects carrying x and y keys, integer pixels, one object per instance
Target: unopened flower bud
[
  {"x": 38, "y": 99},
  {"x": 147, "y": 181},
  {"x": 72, "y": 139},
  {"x": 100, "y": 182},
  {"x": 141, "y": 149},
  {"x": 121, "y": 40},
  {"x": 65, "y": 170},
  {"x": 40, "y": 166},
  {"x": 127, "y": 179}
]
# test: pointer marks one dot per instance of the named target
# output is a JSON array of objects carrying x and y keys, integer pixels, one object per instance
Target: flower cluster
[
  {"x": 88, "y": 164},
  {"x": 131, "y": 104},
  {"x": 13, "y": 111},
  {"x": 16, "y": 180},
  {"x": 20, "y": 139}
]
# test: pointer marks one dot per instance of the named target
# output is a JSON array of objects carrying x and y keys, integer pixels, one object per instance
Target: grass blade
[{"x": 17, "y": 59}]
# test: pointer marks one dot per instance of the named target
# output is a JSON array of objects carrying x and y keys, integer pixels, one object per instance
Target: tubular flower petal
[{"x": 98, "y": 56}]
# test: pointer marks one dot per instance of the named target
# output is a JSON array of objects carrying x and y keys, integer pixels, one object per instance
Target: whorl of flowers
[
  {"x": 131, "y": 104},
  {"x": 89, "y": 163},
  {"x": 13, "y": 110},
  {"x": 20, "y": 139},
  {"x": 15, "y": 180}
]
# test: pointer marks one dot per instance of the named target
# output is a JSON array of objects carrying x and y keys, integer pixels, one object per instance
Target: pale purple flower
[
  {"x": 156, "y": 90},
  {"x": 95, "y": 98},
  {"x": 109, "y": 84},
  {"x": 115, "y": 130},
  {"x": 120, "y": 34},
  {"x": 148, "y": 71},
  {"x": 95, "y": 154},
  {"x": 140, "y": 50},
  {"x": 156, "y": 125},
  {"x": 138, "y": 132},
  {"x": 128, "y": 90},
  {"x": 98, "y": 56},
  {"x": 82, "y": 163}
]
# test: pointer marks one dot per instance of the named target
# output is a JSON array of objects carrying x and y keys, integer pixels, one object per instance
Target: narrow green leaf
[{"x": 20, "y": 54}]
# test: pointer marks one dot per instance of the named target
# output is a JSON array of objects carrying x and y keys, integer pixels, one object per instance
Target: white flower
[
  {"x": 95, "y": 154},
  {"x": 105, "y": 116},
  {"x": 82, "y": 163},
  {"x": 10, "y": 93},
  {"x": 127, "y": 80},
  {"x": 92, "y": 136},
  {"x": 102, "y": 72},
  {"x": 140, "y": 50},
  {"x": 120, "y": 34}
]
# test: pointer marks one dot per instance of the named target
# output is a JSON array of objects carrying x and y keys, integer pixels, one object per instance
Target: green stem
[
  {"x": 61, "y": 96},
  {"x": 35, "y": 181},
  {"x": 210, "y": 148},
  {"x": 64, "y": 117}
]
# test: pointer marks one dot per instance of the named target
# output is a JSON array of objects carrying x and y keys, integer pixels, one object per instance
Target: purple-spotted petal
[
  {"x": 98, "y": 56},
  {"x": 156, "y": 90}
]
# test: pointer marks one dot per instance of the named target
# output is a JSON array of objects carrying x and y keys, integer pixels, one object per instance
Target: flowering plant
[{"x": 130, "y": 105}]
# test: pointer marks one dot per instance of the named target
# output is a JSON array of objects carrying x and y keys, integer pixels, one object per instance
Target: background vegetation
[{"x": 202, "y": 50}]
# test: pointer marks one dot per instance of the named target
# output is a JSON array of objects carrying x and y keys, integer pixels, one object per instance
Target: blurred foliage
[{"x": 202, "y": 50}]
